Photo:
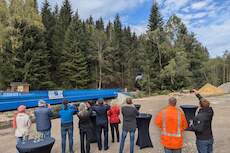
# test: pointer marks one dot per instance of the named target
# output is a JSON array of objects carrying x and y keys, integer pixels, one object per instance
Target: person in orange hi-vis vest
[{"x": 172, "y": 123}]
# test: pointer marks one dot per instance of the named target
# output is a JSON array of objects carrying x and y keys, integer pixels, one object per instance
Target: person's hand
[{"x": 195, "y": 91}]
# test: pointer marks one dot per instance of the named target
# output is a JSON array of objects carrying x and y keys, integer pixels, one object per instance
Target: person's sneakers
[{"x": 112, "y": 141}]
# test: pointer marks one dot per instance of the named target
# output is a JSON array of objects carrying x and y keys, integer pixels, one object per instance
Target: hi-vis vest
[
  {"x": 172, "y": 123},
  {"x": 164, "y": 131}
]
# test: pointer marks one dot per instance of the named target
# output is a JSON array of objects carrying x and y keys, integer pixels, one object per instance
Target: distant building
[{"x": 19, "y": 87}]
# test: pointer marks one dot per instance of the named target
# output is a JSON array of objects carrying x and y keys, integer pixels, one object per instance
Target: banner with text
[{"x": 55, "y": 94}]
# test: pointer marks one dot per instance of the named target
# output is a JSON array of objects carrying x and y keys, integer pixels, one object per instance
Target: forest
[{"x": 53, "y": 48}]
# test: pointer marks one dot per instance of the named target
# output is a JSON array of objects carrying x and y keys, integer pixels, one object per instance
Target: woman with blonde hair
[
  {"x": 85, "y": 126},
  {"x": 114, "y": 119}
]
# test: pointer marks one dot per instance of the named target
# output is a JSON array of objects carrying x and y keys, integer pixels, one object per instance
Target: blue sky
[{"x": 208, "y": 19}]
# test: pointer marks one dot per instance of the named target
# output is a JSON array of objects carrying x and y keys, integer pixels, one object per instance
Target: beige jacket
[{"x": 23, "y": 125}]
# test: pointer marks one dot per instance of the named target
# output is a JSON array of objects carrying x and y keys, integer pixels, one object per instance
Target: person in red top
[{"x": 114, "y": 120}]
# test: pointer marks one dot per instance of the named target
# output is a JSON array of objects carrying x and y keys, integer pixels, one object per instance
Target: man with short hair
[
  {"x": 202, "y": 125},
  {"x": 130, "y": 114},
  {"x": 43, "y": 116},
  {"x": 172, "y": 123},
  {"x": 102, "y": 122}
]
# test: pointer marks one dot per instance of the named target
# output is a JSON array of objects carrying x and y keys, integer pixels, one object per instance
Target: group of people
[
  {"x": 105, "y": 115},
  {"x": 170, "y": 120}
]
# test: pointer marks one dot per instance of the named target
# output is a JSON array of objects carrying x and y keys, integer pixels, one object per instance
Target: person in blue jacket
[
  {"x": 102, "y": 122},
  {"x": 43, "y": 116},
  {"x": 66, "y": 116}
]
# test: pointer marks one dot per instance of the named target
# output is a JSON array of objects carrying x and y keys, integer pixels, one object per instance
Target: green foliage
[
  {"x": 73, "y": 69},
  {"x": 56, "y": 49},
  {"x": 49, "y": 21},
  {"x": 155, "y": 18},
  {"x": 62, "y": 22}
]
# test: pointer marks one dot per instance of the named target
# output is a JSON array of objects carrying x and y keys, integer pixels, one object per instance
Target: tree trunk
[
  {"x": 100, "y": 67},
  {"x": 149, "y": 89},
  {"x": 224, "y": 74}
]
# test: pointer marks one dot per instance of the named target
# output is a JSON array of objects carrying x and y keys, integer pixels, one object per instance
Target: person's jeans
[
  {"x": 64, "y": 131},
  {"x": 46, "y": 134},
  {"x": 204, "y": 146},
  {"x": 103, "y": 128},
  {"x": 113, "y": 128},
  {"x": 19, "y": 140},
  {"x": 173, "y": 150},
  {"x": 123, "y": 137},
  {"x": 84, "y": 135}
]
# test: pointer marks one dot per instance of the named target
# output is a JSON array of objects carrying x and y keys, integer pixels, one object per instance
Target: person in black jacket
[
  {"x": 102, "y": 123},
  {"x": 85, "y": 126},
  {"x": 129, "y": 113},
  {"x": 202, "y": 126}
]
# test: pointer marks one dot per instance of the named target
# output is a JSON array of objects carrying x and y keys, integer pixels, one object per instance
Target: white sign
[{"x": 55, "y": 94}]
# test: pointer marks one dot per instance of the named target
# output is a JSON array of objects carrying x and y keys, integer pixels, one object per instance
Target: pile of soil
[
  {"x": 225, "y": 87},
  {"x": 210, "y": 90}
]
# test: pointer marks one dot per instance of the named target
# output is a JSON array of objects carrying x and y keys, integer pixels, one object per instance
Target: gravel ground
[{"x": 152, "y": 105}]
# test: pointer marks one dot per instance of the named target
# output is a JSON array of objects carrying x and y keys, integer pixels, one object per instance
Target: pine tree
[
  {"x": 63, "y": 20},
  {"x": 90, "y": 20},
  {"x": 27, "y": 58},
  {"x": 35, "y": 70},
  {"x": 109, "y": 31},
  {"x": 100, "y": 24},
  {"x": 4, "y": 16},
  {"x": 65, "y": 15},
  {"x": 118, "y": 52},
  {"x": 48, "y": 20},
  {"x": 73, "y": 69},
  {"x": 36, "y": 6},
  {"x": 154, "y": 53},
  {"x": 155, "y": 19},
  {"x": 7, "y": 68}
]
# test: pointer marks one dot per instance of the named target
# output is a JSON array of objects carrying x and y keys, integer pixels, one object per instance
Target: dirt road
[{"x": 221, "y": 128}]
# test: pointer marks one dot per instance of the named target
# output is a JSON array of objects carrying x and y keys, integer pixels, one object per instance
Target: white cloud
[
  {"x": 172, "y": 6},
  {"x": 188, "y": 17},
  {"x": 200, "y": 15},
  {"x": 199, "y": 5},
  {"x": 104, "y": 8},
  {"x": 139, "y": 28},
  {"x": 186, "y": 9},
  {"x": 99, "y": 8},
  {"x": 215, "y": 36},
  {"x": 176, "y": 3}
]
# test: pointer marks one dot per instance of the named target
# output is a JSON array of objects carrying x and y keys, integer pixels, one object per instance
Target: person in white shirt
[{"x": 21, "y": 124}]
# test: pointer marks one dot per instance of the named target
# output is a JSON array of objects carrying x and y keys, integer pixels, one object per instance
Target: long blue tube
[{"x": 11, "y": 100}]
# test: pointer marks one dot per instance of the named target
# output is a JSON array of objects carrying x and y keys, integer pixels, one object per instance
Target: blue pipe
[{"x": 11, "y": 100}]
